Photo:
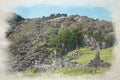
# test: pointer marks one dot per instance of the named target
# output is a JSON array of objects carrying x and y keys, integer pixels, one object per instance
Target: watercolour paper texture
[{"x": 59, "y": 40}]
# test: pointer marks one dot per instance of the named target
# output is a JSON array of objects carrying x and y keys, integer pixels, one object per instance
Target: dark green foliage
[{"x": 66, "y": 37}]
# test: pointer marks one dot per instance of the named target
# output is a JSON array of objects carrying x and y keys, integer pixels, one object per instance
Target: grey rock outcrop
[
  {"x": 29, "y": 48},
  {"x": 52, "y": 16}
]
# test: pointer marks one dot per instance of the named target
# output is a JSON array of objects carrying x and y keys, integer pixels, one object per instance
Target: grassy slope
[{"x": 106, "y": 55}]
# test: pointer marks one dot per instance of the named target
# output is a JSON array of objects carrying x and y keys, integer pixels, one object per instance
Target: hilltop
[{"x": 45, "y": 44}]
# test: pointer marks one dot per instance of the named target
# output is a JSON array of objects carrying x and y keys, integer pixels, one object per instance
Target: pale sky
[{"x": 46, "y": 10}]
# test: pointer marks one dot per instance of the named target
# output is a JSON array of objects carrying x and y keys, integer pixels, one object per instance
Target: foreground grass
[
  {"x": 70, "y": 72},
  {"x": 80, "y": 71}
]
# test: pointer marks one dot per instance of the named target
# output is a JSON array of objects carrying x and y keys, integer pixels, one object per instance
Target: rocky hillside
[{"x": 43, "y": 43}]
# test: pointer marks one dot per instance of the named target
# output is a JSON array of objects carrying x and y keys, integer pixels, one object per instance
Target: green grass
[
  {"x": 86, "y": 56},
  {"x": 30, "y": 73},
  {"x": 69, "y": 72},
  {"x": 106, "y": 54},
  {"x": 80, "y": 71}
]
